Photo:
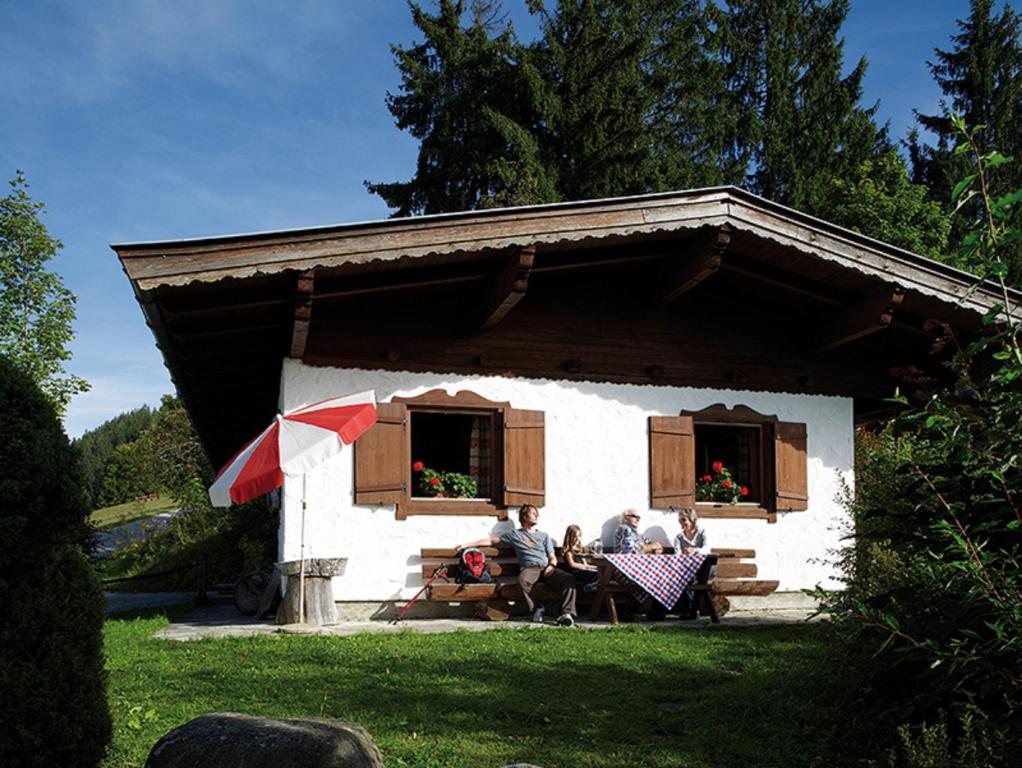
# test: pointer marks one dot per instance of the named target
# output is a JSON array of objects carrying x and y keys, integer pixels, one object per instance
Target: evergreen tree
[
  {"x": 621, "y": 97},
  {"x": 51, "y": 638},
  {"x": 981, "y": 79},
  {"x": 461, "y": 98},
  {"x": 593, "y": 101},
  {"x": 97, "y": 446},
  {"x": 695, "y": 120},
  {"x": 631, "y": 98},
  {"x": 799, "y": 121}
]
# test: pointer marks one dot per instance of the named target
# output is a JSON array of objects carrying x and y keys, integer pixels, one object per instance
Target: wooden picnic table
[{"x": 609, "y": 584}]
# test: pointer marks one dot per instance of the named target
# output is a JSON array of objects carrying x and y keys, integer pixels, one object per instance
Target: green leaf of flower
[
  {"x": 961, "y": 186},
  {"x": 995, "y": 159}
]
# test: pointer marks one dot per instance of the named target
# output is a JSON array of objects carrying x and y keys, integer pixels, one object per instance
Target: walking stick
[{"x": 439, "y": 572}]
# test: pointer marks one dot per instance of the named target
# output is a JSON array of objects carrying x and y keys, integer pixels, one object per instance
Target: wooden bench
[
  {"x": 735, "y": 576},
  {"x": 492, "y": 601}
]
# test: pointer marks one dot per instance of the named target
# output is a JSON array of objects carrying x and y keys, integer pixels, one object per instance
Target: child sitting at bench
[{"x": 575, "y": 561}]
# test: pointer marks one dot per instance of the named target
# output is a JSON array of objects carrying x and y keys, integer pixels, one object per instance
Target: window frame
[
  {"x": 742, "y": 416},
  {"x": 465, "y": 403},
  {"x": 672, "y": 462},
  {"x": 383, "y": 461}
]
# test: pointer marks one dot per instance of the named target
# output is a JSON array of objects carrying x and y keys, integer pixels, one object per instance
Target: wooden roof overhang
[{"x": 440, "y": 293}]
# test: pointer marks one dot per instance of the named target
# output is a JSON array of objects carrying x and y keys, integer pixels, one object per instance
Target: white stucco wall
[{"x": 597, "y": 464}]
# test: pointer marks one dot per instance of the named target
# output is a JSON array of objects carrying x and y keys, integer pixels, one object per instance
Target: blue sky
[{"x": 149, "y": 119}]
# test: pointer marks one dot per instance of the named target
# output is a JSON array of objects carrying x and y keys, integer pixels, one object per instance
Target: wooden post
[{"x": 202, "y": 569}]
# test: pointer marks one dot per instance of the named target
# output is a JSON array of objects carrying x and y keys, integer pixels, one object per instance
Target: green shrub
[
  {"x": 935, "y": 578},
  {"x": 934, "y": 746},
  {"x": 52, "y": 672},
  {"x": 234, "y": 540}
]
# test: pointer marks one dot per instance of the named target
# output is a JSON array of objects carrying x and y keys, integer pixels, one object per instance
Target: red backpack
[{"x": 473, "y": 568}]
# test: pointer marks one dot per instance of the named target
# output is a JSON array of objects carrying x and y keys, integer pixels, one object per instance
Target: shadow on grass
[
  {"x": 764, "y": 697},
  {"x": 169, "y": 612}
]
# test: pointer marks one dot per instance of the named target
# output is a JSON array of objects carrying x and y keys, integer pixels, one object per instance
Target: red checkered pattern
[{"x": 664, "y": 577}]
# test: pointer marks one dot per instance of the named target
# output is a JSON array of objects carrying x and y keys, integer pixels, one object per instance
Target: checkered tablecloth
[{"x": 664, "y": 577}]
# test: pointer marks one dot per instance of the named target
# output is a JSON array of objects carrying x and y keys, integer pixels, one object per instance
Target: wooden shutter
[
  {"x": 381, "y": 457},
  {"x": 672, "y": 462},
  {"x": 791, "y": 471},
  {"x": 524, "y": 458}
]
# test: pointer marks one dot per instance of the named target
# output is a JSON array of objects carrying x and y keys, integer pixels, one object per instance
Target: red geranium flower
[
  {"x": 418, "y": 466},
  {"x": 726, "y": 483},
  {"x": 744, "y": 490},
  {"x": 707, "y": 479},
  {"x": 717, "y": 466},
  {"x": 435, "y": 481}
]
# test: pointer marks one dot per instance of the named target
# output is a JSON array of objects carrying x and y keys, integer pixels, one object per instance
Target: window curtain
[{"x": 479, "y": 441}]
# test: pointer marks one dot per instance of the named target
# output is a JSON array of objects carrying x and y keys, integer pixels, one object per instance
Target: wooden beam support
[
  {"x": 306, "y": 283},
  {"x": 700, "y": 260},
  {"x": 510, "y": 286},
  {"x": 873, "y": 313},
  {"x": 227, "y": 310}
]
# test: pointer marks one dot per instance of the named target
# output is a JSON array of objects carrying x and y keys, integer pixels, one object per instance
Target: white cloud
[
  {"x": 112, "y": 395},
  {"x": 90, "y": 52}
]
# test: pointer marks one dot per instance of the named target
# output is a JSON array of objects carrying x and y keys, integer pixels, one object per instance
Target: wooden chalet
[{"x": 601, "y": 352}]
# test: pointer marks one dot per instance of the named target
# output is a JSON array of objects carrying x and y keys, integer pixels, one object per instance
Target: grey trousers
[{"x": 560, "y": 580}]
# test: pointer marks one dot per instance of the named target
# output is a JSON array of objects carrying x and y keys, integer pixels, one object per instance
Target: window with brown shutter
[
  {"x": 499, "y": 448},
  {"x": 672, "y": 481},
  {"x": 791, "y": 467},
  {"x": 524, "y": 458},
  {"x": 380, "y": 457},
  {"x": 765, "y": 456}
]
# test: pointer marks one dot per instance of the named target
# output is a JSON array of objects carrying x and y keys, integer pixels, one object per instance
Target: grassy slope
[
  {"x": 629, "y": 697},
  {"x": 108, "y": 517}
]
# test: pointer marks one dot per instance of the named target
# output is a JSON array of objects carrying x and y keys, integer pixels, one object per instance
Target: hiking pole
[{"x": 439, "y": 572}]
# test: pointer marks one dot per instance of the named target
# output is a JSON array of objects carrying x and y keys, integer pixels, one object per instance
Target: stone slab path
[{"x": 224, "y": 621}]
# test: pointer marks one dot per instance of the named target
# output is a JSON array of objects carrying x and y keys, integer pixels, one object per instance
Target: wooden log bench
[{"x": 735, "y": 576}]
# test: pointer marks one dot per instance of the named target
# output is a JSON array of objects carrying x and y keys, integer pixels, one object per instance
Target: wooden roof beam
[
  {"x": 305, "y": 285},
  {"x": 510, "y": 285},
  {"x": 873, "y": 313},
  {"x": 701, "y": 261}
]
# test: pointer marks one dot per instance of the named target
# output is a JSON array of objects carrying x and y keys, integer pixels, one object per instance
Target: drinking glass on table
[{"x": 596, "y": 547}]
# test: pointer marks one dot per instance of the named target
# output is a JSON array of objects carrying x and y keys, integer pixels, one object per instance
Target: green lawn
[
  {"x": 632, "y": 696},
  {"x": 108, "y": 517}
]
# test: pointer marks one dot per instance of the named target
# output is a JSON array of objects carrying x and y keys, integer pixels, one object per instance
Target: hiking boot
[
  {"x": 537, "y": 615},
  {"x": 565, "y": 620}
]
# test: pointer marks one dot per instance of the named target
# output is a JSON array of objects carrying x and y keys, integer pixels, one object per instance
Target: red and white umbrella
[{"x": 294, "y": 443}]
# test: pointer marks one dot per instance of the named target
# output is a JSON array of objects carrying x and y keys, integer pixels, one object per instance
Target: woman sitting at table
[
  {"x": 691, "y": 540},
  {"x": 627, "y": 540},
  {"x": 573, "y": 556}
]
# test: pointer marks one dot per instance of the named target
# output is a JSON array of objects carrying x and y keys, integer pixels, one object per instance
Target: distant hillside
[{"x": 97, "y": 446}]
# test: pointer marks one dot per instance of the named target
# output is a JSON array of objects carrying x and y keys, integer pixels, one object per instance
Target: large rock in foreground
[{"x": 228, "y": 740}]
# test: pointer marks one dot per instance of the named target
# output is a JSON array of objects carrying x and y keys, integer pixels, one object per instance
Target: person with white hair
[{"x": 627, "y": 540}]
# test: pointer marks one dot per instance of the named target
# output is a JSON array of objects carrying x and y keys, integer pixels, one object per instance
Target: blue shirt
[
  {"x": 533, "y": 548},
  {"x": 627, "y": 540}
]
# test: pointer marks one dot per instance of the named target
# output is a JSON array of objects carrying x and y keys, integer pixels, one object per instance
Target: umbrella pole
[{"x": 301, "y": 573}]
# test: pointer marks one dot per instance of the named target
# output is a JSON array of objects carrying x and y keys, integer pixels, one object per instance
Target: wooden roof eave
[
  {"x": 179, "y": 263},
  {"x": 174, "y": 363}
]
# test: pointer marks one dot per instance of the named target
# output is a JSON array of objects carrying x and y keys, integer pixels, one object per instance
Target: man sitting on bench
[{"x": 536, "y": 562}]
